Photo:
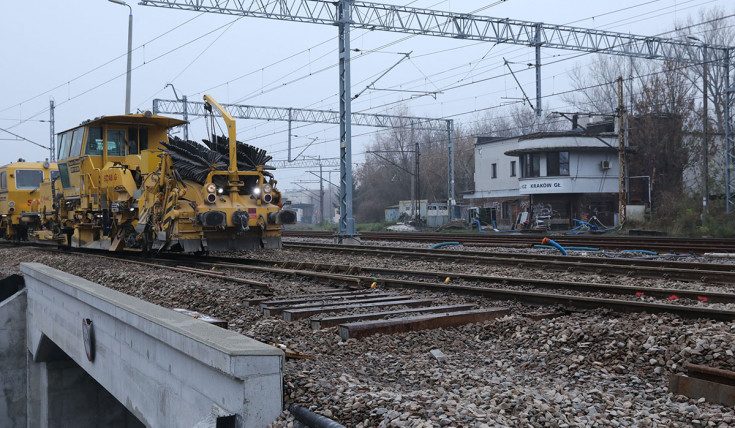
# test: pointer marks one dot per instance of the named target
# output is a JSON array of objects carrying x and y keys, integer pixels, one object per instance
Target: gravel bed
[{"x": 590, "y": 368}]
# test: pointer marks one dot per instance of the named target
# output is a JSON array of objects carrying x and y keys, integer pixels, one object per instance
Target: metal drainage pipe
[{"x": 311, "y": 419}]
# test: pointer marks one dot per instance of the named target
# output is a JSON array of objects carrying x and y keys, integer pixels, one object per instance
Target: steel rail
[
  {"x": 360, "y": 280},
  {"x": 631, "y": 267},
  {"x": 369, "y": 272},
  {"x": 682, "y": 245}
]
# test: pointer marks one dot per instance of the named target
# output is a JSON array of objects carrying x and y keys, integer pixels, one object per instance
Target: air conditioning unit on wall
[{"x": 605, "y": 165}]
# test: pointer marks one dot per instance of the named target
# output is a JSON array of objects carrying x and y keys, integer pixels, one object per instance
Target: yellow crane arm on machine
[{"x": 230, "y": 122}]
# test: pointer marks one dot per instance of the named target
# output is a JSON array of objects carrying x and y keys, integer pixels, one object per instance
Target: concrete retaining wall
[
  {"x": 166, "y": 368},
  {"x": 13, "y": 360}
]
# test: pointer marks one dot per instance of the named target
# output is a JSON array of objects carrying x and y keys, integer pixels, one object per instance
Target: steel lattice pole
[{"x": 346, "y": 221}]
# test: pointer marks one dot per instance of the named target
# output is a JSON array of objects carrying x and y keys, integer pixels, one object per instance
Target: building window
[
  {"x": 557, "y": 163},
  {"x": 531, "y": 165},
  {"x": 512, "y": 168},
  {"x": 495, "y": 170}
]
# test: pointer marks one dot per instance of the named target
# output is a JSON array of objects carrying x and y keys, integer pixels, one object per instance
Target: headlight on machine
[
  {"x": 256, "y": 191},
  {"x": 267, "y": 188},
  {"x": 211, "y": 188}
]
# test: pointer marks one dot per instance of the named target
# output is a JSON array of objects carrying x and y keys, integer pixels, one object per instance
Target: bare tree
[
  {"x": 385, "y": 177},
  {"x": 665, "y": 105},
  {"x": 712, "y": 27}
]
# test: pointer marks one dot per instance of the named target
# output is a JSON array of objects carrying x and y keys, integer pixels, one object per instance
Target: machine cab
[
  {"x": 127, "y": 140},
  {"x": 20, "y": 183}
]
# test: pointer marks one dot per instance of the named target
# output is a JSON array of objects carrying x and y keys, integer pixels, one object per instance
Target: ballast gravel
[{"x": 577, "y": 369}]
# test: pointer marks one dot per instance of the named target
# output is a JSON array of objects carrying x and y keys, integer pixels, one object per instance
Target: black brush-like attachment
[
  {"x": 194, "y": 161},
  {"x": 249, "y": 158}
]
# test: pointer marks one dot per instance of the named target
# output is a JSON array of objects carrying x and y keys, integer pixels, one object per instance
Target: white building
[{"x": 556, "y": 176}]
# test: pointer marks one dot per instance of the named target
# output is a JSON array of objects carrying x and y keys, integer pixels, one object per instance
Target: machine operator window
[
  {"x": 3, "y": 180},
  {"x": 133, "y": 139},
  {"x": 94, "y": 141},
  {"x": 115, "y": 142},
  {"x": 143, "y": 138},
  {"x": 64, "y": 140},
  {"x": 28, "y": 179},
  {"x": 54, "y": 175},
  {"x": 76, "y": 143}
]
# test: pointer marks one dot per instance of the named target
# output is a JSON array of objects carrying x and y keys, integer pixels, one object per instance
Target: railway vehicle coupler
[{"x": 240, "y": 218}]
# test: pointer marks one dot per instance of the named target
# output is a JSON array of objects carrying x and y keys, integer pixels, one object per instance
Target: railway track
[
  {"x": 490, "y": 239},
  {"x": 571, "y": 295},
  {"x": 677, "y": 270}
]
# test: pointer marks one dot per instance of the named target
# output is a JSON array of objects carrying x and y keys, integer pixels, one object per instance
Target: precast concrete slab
[
  {"x": 166, "y": 368},
  {"x": 13, "y": 360}
]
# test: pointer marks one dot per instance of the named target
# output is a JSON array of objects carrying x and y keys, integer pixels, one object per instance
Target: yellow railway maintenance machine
[
  {"x": 124, "y": 184},
  {"x": 20, "y": 197}
]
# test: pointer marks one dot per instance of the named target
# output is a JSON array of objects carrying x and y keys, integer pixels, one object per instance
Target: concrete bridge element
[{"x": 97, "y": 357}]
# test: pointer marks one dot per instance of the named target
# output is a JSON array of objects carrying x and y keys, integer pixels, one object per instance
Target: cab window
[
  {"x": 137, "y": 140},
  {"x": 76, "y": 143},
  {"x": 115, "y": 142},
  {"x": 94, "y": 141},
  {"x": 64, "y": 173},
  {"x": 27, "y": 179},
  {"x": 3, "y": 180},
  {"x": 64, "y": 140}
]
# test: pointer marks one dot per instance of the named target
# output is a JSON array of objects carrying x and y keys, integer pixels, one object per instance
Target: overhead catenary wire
[
  {"x": 392, "y": 42},
  {"x": 517, "y": 102},
  {"x": 470, "y": 83},
  {"x": 411, "y": 99},
  {"x": 24, "y": 138},
  {"x": 98, "y": 67}
]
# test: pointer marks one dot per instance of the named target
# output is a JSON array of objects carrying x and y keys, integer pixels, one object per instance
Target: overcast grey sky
[{"x": 74, "y": 53}]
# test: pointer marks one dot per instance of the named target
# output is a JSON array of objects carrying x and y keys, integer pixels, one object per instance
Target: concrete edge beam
[
  {"x": 225, "y": 342},
  {"x": 166, "y": 368}
]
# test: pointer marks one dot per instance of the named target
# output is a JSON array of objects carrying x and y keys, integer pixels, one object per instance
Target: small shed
[
  {"x": 391, "y": 213},
  {"x": 437, "y": 214}
]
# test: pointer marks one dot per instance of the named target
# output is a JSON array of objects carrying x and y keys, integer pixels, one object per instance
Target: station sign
[{"x": 543, "y": 185}]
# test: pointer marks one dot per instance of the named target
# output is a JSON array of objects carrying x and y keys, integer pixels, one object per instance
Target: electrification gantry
[{"x": 346, "y": 14}]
